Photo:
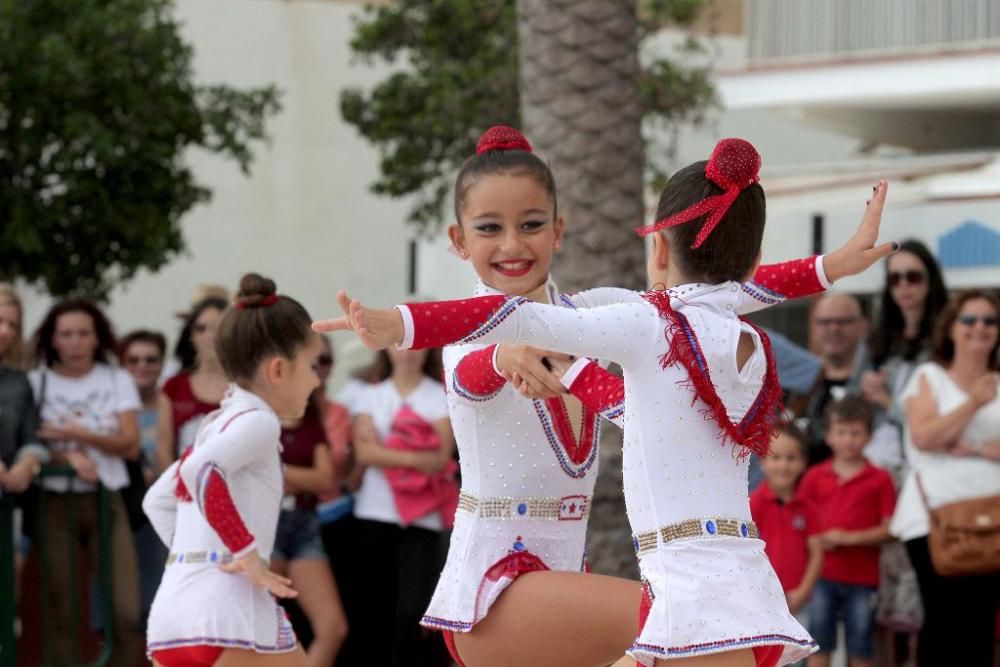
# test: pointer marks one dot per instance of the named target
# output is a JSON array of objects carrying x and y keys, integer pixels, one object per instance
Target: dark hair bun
[
  {"x": 735, "y": 163},
  {"x": 254, "y": 289},
  {"x": 502, "y": 138}
]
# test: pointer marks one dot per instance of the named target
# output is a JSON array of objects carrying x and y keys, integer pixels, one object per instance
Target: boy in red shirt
[
  {"x": 787, "y": 523},
  {"x": 854, "y": 501}
]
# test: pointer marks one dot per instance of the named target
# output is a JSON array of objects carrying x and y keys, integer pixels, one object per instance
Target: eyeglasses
[
  {"x": 836, "y": 321},
  {"x": 324, "y": 360},
  {"x": 913, "y": 277},
  {"x": 987, "y": 320},
  {"x": 135, "y": 361}
]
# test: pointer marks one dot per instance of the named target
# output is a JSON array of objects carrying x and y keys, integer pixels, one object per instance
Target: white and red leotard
[
  {"x": 527, "y": 480},
  {"x": 220, "y": 502}
]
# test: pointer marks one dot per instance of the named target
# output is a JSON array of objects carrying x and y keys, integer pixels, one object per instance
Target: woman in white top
[
  {"x": 952, "y": 441},
  {"x": 88, "y": 414},
  {"x": 406, "y": 558}
]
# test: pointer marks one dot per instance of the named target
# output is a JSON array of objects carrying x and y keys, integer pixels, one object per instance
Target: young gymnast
[
  {"x": 217, "y": 507},
  {"x": 523, "y": 611}
]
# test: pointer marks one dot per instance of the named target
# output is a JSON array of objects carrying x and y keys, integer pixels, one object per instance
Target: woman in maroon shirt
[
  {"x": 197, "y": 390},
  {"x": 298, "y": 547}
]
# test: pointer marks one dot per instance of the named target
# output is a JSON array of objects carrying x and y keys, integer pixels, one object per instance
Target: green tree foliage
[
  {"x": 97, "y": 111},
  {"x": 455, "y": 73}
]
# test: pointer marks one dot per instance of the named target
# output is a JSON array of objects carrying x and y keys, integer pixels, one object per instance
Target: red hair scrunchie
[
  {"x": 502, "y": 138},
  {"x": 733, "y": 166},
  {"x": 266, "y": 301}
]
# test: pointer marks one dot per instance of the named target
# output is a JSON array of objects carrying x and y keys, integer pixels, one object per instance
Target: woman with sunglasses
[
  {"x": 952, "y": 440},
  {"x": 298, "y": 547},
  {"x": 198, "y": 389},
  {"x": 142, "y": 353},
  {"x": 913, "y": 295}
]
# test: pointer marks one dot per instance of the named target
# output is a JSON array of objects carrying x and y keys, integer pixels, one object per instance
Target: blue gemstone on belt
[
  {"x": 180, "y": 558},
  {"x": 744, "y": 530},
  {"x": 522, "y": 509},
  {"x": 710, "y": 527},
  {"x": 635, "y": 544},
  {"x": 214, "y": 556}
]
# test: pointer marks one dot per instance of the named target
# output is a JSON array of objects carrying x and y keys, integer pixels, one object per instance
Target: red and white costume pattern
[
  {"x": 708, "y": 580},
  {"x": 527, "y": 480},
  {"x": 220, "y": 502}
]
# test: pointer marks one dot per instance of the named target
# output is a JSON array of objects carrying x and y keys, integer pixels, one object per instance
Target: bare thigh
[
  {"x": 238, "y": 657},
  {"x": 318, "y": 595},
  {"x": 743, "y": 658},
  {"x": 557, "y": 619}
]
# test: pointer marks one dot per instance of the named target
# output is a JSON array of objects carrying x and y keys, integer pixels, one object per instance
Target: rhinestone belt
[
  {"x": 646, "y": 542},
  {"x": 567, "y": 508}
]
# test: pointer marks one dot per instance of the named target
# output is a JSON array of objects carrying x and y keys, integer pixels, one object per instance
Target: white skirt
[
  {"x": 711, "y": 595},
  {"x": 200, "y": 605}
]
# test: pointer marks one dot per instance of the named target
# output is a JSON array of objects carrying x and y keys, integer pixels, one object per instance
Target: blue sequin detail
[
  {"x": 635, "y": 544},
  {"x": 519, "y": 546},
  {"x": 214, "y": 557},
  {"x": 710, "y": 527},
  {"x": 522, "y": 509},
  {"x": 180, "y": 558},
  {"x": 744, "y": 530}
]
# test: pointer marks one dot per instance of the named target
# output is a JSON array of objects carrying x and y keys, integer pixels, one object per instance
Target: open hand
[
  {"x": 256, "y": 569},
  {"x": 860, "y": 251},
  {"x": 377, "y": 328}
]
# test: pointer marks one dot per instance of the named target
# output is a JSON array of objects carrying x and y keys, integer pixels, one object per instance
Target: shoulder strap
[{"x": 40, "y": 401}]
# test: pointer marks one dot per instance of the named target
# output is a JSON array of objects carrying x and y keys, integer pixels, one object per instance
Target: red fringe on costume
[{"x": 753, "y": 433}]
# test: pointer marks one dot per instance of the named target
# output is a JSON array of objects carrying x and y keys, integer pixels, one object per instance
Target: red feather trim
[{"x": 753, "y": 433}]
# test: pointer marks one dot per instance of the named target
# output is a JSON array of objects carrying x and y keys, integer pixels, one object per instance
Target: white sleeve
[
  {"x": 622, "y": 333},
  {"x": 126, "y": 393},
  {"x": 160, "y": 504},
  {"x": 604, "y": 296}
]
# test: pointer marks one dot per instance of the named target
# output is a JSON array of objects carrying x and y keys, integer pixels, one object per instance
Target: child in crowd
[
  {"x": 787, "y": 523},
  {"x": 855, "y": 501}
]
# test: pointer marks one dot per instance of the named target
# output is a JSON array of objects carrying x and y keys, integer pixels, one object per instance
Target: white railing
[{"x": 801, "y": 31}]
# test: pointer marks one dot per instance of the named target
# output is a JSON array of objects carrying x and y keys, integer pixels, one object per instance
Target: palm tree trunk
[{"x": 580, "y": 107}]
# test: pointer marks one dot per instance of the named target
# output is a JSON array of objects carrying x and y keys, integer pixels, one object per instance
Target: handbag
[{"x": 964, "y": 537}]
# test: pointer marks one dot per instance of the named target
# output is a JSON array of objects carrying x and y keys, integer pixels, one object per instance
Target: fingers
[
  {"x": 327, "y": 326},
  {"x": 880, "y": 252},
  {"x": 344, "y": 301}
]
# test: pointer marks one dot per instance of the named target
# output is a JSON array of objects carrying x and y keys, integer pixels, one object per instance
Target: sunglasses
[
  {"x": 987, "y": 320},
  {"x": 136, "y": 360},
  {"x": 912, "y": 277}
]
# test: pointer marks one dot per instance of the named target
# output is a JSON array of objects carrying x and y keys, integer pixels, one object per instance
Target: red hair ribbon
[
  {"x": 242, "y": 304},
  {"x": 733, "y": 166},
  {"x": 502, "y": 138}
]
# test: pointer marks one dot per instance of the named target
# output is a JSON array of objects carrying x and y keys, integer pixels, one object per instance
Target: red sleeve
[
  {"x": 220, "y": 511},
  {"x": 475, "y": 378},
  {"x": 806, "y": 488},
  {"x": 755, "y": 505},
  {"x": 787, "y": 280},
  {"x": 600, "y": 390},
  {"x": 812, "y": 519},
  {"x": 886, "y": 496},
  {"x": 440, "y": 323}
]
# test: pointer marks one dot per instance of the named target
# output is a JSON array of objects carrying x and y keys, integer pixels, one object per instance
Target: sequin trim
[
  {"x": 567, "y": 508},
  {"x": 571, "y": 469},
  {"x": 494, "y": 320},
  {"x": 647, "y": 541},
  {"x": 199, "y": 557},
  {"x": 285, "y": 642},
  {"x": 719, "y": 646},
  {"x": 445, "y": 624},
  {"x": 763, "y": 294},
  {"x": 468, "y": 394}
]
